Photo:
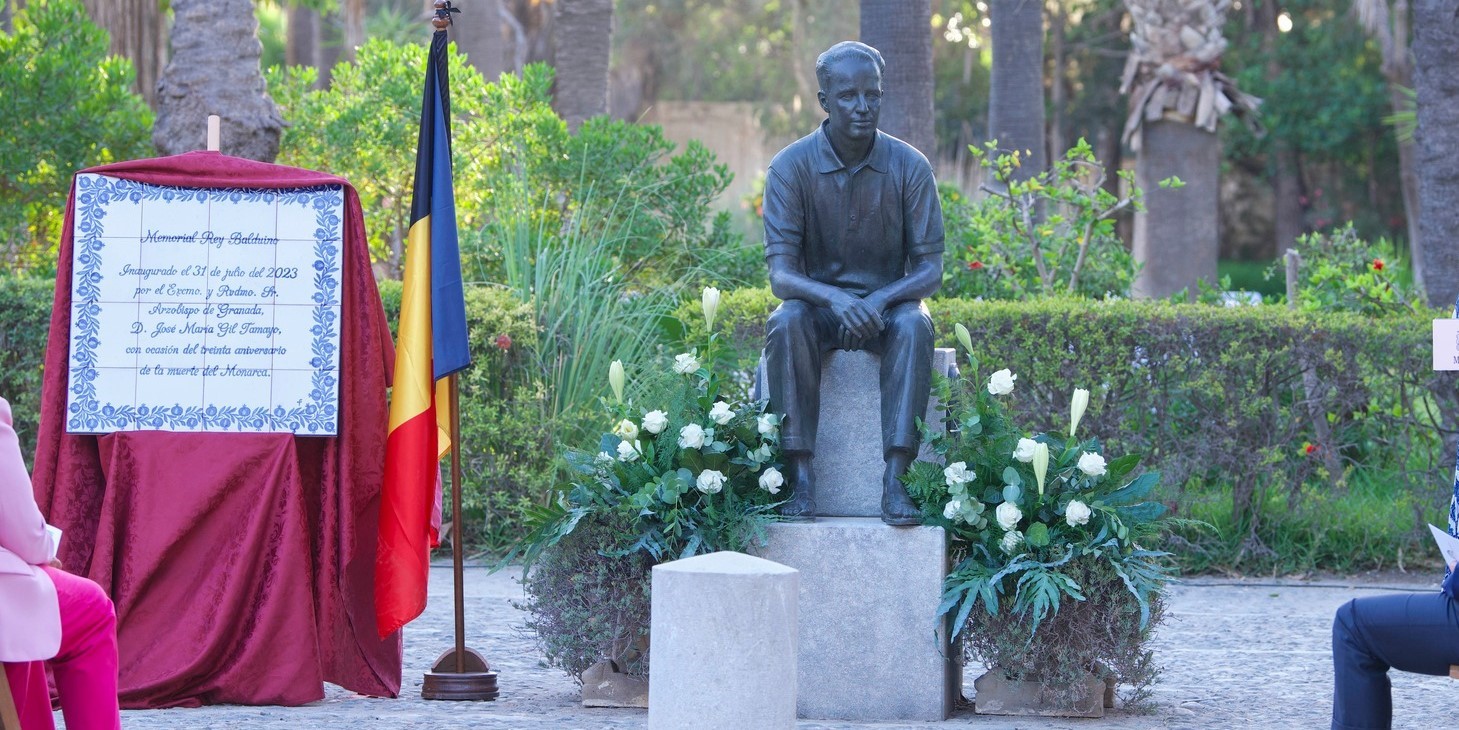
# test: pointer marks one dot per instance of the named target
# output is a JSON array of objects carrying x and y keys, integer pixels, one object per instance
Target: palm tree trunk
[
  {"x": 1408, "y": 182},
  {"x": 214, "y": 70},
  {"x": 302, "y": 45},
  {"x": 354, "y": 26},
  {"x": 1435, "y": 46},
  {"x": 1286, "y": 175},
  {"x": 477, "y": 32},
  {"x": 138, "y": 30},
  {"x": 1177, "y": 236},
  {"x": 582, "y": 37},
  {"x": 1059, "y": 84},
  {"x": 1016, "y": 81},
  {"x": 902, "y": 31}
]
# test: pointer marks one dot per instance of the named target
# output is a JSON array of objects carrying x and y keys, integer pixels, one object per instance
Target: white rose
[
  {"x": 771, "y": 479},
  {"x": 1008, "y": 515},
  {"x": 1001, "y": 382},
  {"x": 627, "y": 451},
  {"x": 952, "y": 508},
  {"x": 710, "y": 481},
  {"x": 626, "y": 430},
  {"x": 1091, "y": 464},
  {"x": 655, "y": 421},
  {"x": 721, "y": 413},
  {"x": 1077, "y": 513},
  {"x": 1010, "y": 541},
  {"x": 958, "y": 473},
  {"x": 1023, "y": 452},
  {"x": 691, "y": 437},
  {"x": 767, "y": 423},
  {"x": 685, "y": 363}
]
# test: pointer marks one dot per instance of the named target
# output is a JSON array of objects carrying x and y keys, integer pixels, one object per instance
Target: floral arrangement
[
  {"x": 686, "y": 465},
  {"x": 1051, "y": 580}
]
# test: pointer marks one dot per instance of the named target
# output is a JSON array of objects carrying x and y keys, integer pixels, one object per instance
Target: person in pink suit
[{"x": 48, "y": 616}]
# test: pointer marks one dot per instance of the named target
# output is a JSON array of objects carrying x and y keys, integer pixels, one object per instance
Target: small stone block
[
  {"x": 724, "y": 637},
  {"x": 998, "y": 695},
  {"x": 605, "y": 686},
  {"x": 871, "y": 647}
]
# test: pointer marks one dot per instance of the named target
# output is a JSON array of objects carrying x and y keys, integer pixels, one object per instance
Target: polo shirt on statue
[{"x": 853, "y": 228}]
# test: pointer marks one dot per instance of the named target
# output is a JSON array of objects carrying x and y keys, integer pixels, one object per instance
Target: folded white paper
[
  {"x": 55, "y": 533},
  {"x": 1448, "y": 545}
]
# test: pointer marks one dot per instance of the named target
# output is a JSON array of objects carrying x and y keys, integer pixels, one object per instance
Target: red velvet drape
[{"x": 241, "y": 564}]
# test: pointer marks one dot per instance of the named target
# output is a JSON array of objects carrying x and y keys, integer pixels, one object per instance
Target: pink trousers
[{"x": 85, "y": 669}]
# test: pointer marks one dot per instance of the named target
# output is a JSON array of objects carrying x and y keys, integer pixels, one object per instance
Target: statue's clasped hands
[{"x": 860, "y": 320}]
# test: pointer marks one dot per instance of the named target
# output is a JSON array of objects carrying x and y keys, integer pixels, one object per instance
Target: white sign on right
[{"x": 1446, "y": 344}]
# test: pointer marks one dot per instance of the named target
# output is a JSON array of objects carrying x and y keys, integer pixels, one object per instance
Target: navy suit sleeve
[{"x": 1451, "y": 585}]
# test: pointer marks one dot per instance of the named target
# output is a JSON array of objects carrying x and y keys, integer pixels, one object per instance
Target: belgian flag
[{"x": 430, "y": 346}]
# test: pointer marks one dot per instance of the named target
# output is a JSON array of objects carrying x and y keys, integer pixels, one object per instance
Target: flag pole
[
  {"x": 459, "y": 673},
  {"x": 457, "y": 561}
]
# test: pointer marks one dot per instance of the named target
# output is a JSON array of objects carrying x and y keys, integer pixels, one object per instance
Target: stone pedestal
[
  {"x": 724, "y": 644},
  {"x": 848, "y": 461},
  {"x": 870, "y": 645}
]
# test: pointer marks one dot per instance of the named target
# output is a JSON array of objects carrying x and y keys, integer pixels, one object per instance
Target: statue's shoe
[
  {"x": 800, "y": 508},
  {"x": 897, "y": 509}
]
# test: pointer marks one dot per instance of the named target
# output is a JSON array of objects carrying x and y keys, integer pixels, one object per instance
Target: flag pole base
[{"x": 443, "y": 682}]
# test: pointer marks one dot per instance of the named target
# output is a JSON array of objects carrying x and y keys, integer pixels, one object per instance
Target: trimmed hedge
[
  {"x": 25, "y": 322},
  {"x": 1216, "y": 397}
]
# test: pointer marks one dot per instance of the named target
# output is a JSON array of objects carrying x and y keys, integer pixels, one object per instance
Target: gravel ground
[{"x": 1237, "y": 654}]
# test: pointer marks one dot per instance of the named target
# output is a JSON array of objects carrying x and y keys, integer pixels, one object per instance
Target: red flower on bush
[
  {"x": 1377, "y": 264},
  {"x": 975, "y": 265},
  {"x": 1309, "y": 449},
  {"x": 504, "y": 342}
]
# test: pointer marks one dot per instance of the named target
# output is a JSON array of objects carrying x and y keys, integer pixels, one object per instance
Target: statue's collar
[{"x": 828, "y": 161}]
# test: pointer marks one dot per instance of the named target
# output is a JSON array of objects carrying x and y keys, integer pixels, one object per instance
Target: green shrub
[
  {"x": 68, "y": 105},
  {"x": 586, "y": 603},
  {"x": 508, "y": 457},
  {"x": 1341, "y": 272},
  {"x": 25, "y": 323},
  {"x": 1051, "y": 234},
  {"x": 1214, "y": 398}
]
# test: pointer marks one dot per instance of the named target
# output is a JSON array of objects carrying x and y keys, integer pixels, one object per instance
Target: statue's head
[{"x": 849, "y": 74}]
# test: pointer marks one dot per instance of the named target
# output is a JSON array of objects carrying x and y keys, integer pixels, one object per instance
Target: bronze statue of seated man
[{"x": 854, "y": 241}]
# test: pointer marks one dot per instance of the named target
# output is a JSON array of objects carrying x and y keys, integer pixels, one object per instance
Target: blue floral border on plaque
[{"x": 316, "y": 415}]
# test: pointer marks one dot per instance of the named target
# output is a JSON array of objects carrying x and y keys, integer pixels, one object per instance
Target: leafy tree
[
  {"x": 1326, "y": 105},
  {"x": 364, "y": 128},
  {"x": 507, "y": 143},
  {"x": 67, "y": 106}
]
